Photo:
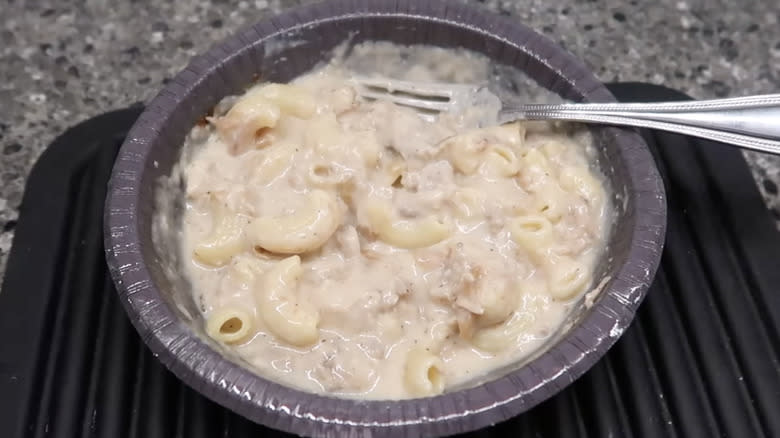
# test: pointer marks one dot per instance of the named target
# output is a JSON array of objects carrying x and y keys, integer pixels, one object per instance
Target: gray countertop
[{"x": 67, "y": 60}]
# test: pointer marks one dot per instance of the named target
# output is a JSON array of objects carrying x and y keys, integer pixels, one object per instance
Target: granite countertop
[{"x": 64, "y": 61}]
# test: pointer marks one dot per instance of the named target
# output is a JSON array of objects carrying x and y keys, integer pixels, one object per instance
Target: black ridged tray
[{"x": 700, "y": 360}]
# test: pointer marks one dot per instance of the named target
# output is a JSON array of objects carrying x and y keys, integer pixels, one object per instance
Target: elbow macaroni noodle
[
  {"x": 289, "y": 319},
  {"x": 229, "y": 324},
  {"x": 306, "y": 229},
  {"x": 226, "y": 240},
  {"x": 423, "y": 373},
  {"x": 351, "y": 247},
  {"x": 407, "y": 234}
]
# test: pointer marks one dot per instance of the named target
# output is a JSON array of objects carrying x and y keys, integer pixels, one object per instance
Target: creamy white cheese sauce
[{"x": 463, "y": 245}]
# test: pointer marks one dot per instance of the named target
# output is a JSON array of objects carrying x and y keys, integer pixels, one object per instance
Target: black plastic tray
[{"x": 701, "y": 359}]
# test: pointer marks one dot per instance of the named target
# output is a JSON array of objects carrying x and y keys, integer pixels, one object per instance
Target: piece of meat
[{"x": 480, "y": 289}]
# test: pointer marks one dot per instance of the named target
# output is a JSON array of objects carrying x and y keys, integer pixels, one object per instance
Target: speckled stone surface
[{"x": 64, "y": 61}]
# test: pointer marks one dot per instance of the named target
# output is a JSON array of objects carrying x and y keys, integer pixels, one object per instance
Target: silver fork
[{"x": 751, "y": 122}]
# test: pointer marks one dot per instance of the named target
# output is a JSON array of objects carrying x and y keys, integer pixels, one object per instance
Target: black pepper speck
[
  {"x": 619, "y": 16},
  {"x": 73, "y": 71}
]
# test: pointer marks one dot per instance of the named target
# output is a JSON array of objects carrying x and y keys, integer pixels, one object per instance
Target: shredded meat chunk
[{"x": 481, "y": 292}]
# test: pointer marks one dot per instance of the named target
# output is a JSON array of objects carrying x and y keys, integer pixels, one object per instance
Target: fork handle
[{"x": 751, "y": 122}]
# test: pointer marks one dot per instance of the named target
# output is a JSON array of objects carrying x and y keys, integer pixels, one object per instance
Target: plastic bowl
[{"x": 160, "y": 305}]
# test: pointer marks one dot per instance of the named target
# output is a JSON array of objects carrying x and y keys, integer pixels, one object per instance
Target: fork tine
[
  {"x": 416, "y": 88},
  {"x": 407, "y": 101}
]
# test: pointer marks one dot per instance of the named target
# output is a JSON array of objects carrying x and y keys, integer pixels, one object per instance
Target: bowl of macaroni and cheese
[{"x": 325, "y": 263}]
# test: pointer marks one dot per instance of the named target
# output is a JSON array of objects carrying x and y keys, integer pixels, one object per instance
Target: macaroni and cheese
[{"x": 351, "y": 247}]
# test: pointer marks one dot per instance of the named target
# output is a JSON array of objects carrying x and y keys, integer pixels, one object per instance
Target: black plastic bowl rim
[{"x": 283, "y": 408}]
